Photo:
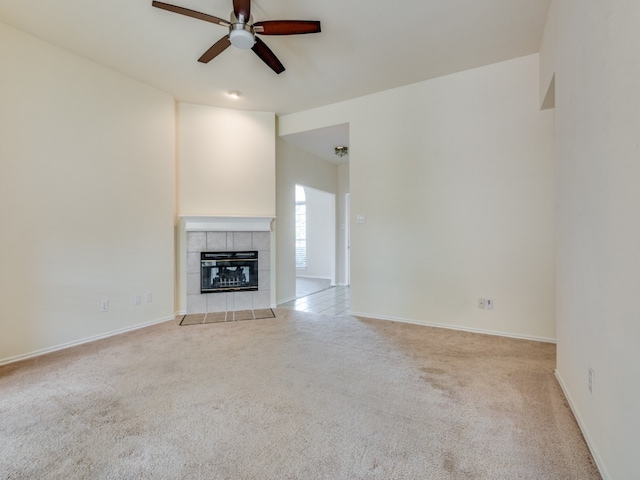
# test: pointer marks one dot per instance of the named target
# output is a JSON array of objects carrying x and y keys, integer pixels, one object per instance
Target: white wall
[
  {"x": 295, "y": 166},
  {"x": 226, "y": 161},
  {"x": 594, "y": 53},
  {"x": 547, "y": 61},
  {"x": 455, "y": 178},
  {"x": 321, "y": 235},
  {"x": 87, "y": 190},
  {"x": 226, "y": 167}
]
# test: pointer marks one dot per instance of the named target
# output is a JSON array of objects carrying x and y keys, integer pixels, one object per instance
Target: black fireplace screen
[{"x": 228, "y": 271}]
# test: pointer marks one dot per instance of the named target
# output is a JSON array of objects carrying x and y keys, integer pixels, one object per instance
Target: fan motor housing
[{"x": 241, "y": 34}]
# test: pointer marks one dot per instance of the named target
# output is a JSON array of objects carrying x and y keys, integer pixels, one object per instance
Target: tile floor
[{"x": 332, "y": 301}]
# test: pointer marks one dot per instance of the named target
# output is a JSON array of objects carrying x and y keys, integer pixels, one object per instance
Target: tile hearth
[{"x": 227, "y": 316}]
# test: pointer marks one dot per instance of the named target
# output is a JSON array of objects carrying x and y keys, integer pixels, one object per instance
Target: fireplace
[
  {"x": 211, "y": 234},
  {"x": 228, "y": 271}
]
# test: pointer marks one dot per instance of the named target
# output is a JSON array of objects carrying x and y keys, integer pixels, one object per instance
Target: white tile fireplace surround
[{"x": 205, "y": 236}]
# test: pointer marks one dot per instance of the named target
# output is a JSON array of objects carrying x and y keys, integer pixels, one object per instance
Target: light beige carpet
[{"x": 294, "y": 397}]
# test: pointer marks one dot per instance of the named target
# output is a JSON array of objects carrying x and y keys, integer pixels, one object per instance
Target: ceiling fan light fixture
[
  {"x": 242, "y": 31},
  {"x": 241, "y": 36},
  {"x": 341, "y": 151}
]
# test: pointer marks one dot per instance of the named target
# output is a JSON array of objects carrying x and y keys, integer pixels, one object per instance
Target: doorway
[
  {"x": 315, "y": 240},
  {"x": 347, "y": 239}
]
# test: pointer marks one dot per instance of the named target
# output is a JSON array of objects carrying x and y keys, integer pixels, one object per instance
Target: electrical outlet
[
  {"x": 104, "y": 306},
  {"x": 488, "y": 304},
  {"x": 137, "y": 299},
  {"x": 149, "y": 297},
  {"x": 591, "y": 379},
  {"x": 481, "y": 303}
]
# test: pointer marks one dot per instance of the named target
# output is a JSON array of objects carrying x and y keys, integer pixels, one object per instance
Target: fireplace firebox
[{"x": 228, "y": 271}]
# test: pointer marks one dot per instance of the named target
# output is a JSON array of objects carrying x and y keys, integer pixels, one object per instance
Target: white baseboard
[
  {"x": 455, "y": 327},
  {"x": 44, "y": 351},
  {"x": 585, "y": 432},
  {"x": 313, "y": 277}
]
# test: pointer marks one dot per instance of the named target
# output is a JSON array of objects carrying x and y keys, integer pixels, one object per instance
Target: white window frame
[{"x": 301, "y": 228}]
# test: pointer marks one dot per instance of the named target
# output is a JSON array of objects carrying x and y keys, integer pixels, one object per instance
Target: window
[{"x": 301, "y": 228}]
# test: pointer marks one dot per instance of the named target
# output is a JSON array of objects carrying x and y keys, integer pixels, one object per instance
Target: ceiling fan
[{"x": 242, "y": 31}]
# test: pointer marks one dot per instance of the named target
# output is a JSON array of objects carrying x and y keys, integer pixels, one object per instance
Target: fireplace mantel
[{"x": 226, "y": 223}]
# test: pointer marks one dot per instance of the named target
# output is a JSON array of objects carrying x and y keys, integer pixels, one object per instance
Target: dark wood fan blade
[
  {"x": 267, "y": 56},
  {"x": 191, "y": 13},
  {"x": 215, "y": 50},
  {"x": 242, "y": 7},
  {"x": 287, "y": 27}
]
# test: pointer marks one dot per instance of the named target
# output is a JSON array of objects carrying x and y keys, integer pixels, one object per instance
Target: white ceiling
[
  {"x": 365, "y": 46},
  {"x": 321, "y": 142}
]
